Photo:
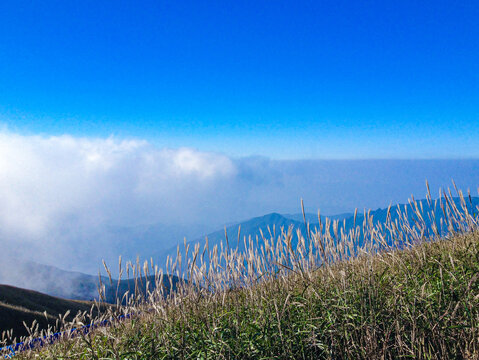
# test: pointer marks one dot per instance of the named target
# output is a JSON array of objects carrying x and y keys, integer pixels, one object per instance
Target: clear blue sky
[{"x": 285, "y": 79}]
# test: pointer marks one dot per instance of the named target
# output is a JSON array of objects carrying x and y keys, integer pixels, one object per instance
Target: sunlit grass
[{"x": 379, "y": 291}]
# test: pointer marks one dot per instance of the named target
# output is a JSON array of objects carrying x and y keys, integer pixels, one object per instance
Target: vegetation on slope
[
  {"x": 376, "y": 292},
  {"x": 21, "y": 305},
  {"x": 421, "y": 303}
]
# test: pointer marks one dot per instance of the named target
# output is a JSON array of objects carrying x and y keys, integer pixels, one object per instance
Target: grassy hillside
[
  {"x": 422, "y": 302},
  {"x": 380, "y": 291},
  {"x": 18, "y": 305},
  {"x": 21, "y": 305}
]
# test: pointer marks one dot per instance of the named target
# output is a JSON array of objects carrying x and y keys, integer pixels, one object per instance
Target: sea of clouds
[{"x": 68, "y": 200}]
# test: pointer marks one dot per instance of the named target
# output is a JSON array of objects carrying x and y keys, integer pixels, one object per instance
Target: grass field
[{"x": 378, "y": 292}]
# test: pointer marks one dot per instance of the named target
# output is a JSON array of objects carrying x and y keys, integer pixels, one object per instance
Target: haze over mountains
[
  {"x": 75, "y": 285},
  {"x": 70, "y": 202}
]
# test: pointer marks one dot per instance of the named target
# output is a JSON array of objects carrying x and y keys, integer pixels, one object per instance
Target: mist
[{"x": 71, "y": 202}]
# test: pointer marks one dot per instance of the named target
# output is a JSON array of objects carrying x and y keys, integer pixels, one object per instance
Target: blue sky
[
  {"x": 210, "y": 85},
  {"x": 282, "y": 79}
]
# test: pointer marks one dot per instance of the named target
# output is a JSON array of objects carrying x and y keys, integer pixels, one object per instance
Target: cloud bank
[{"x": 72, "y": 201}]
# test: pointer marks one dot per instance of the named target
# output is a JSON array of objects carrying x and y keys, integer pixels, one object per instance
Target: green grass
[
  {"x": 417, "y": 303},
  {"x": 311, "y": 302}
]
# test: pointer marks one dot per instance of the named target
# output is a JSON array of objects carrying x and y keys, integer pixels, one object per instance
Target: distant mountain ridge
[
  {"x": 79, "y": 286},
  {"x": 313, "y": 218},
  {"x": 251, "y": 228},
  {"x": 274, "y": 222}
]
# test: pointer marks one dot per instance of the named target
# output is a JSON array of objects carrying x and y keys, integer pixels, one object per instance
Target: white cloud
[
  {"x": 61, "y": 196},
  {"x": 50, "y": 184}
]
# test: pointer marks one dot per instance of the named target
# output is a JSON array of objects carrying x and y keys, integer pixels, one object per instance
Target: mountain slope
[
  {"x": 313, "y": 218},
  {"x": 73, "y": 285},
  {"x": 253, "y": 228},
  {"x": 18, "y": 305}
]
